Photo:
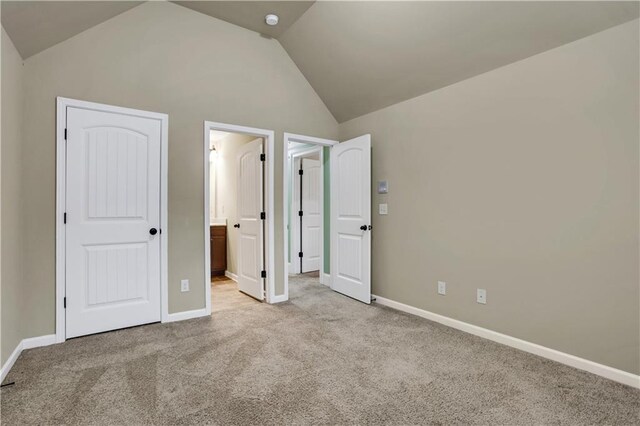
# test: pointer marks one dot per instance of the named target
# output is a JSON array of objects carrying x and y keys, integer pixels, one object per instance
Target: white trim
[
  {"x": 24, "y": 344},
  {"x": 269, "y": 137},
  {"x": 326, "y": 280},
  {"x": 61, "y": 186},
  {"x": 36, "y": 342},
  {"x": 291, "y": 137},
  {"x": 181, "y": 316},
  {"x": 231, "y": 276},
  {"x": 280, "y": 298},
  {"x": 207, "y": 216},
  {"x": 611, "y": 373},
  {"x": 10, "y": 361},
  {"x": 164, "y": 218},
  {"x": 61, "y": 197}
]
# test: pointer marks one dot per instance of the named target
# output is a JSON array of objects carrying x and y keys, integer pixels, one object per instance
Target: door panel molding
[{"x": 62, "y": 104}]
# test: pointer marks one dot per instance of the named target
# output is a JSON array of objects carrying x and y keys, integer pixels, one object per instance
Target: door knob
[
  {"x": 237, "y": 225},
  {"x": 153, "y": 231},
  {"x": 363, "y": 227}
]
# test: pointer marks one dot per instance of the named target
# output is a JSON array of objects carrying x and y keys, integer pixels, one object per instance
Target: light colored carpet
[
  {"x": 321, "y": 358},
  {"x": 225, "y": 296}
]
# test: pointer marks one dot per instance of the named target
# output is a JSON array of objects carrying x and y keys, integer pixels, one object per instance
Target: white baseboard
[
  {"x": 9, "y": 363},
  {"x": 231, "y": 276},
  {"x": 278, "y": 299},
  {"x": 326, "y": 279},
  {"x": 36, "y": 342},
  {"x": 181, "y": 316},
  {"x": 29, "y": 343},
  {"x": 552, "y": 354}
]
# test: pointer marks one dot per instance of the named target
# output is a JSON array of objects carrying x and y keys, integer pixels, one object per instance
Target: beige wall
[
  {"x": 227, "y": 190},
  {"x": 527, "y": 176},
  {"x": 522, "y": 181},
  {"x": 165, "y": 58},
  {"x": 10, "y": 193}
]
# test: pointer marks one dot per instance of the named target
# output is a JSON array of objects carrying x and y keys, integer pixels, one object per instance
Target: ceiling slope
[
  {"x": 363, "y": 56},
  {"x": 251, "y": 14},
  {"x": 34, "y": 26}
]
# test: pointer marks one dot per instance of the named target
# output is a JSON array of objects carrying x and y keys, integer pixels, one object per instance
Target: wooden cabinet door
[{"x": 218, "y": 250}]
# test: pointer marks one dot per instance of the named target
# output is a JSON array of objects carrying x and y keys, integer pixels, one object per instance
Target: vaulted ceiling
[
  {"x": 362, "y": 56},
  {"x": 251, "y": 14},
  {"x": 34, "y": 26}
]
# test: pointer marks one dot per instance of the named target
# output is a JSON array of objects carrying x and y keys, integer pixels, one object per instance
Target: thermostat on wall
[{"x": 383, "y": 187}]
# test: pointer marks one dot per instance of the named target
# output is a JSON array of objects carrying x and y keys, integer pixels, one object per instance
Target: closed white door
[
  {"x": 311, "y": 214},
  {"x": 113, "y": 221},
  {"x": 250, "y": 224},
  {"x": 351, "y": 218}
]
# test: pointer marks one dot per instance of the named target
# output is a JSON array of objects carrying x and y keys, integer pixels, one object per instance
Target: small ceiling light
[{"x": 271, "y": 19}]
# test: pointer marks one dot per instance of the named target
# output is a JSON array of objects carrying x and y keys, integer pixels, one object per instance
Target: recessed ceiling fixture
[{"x": 271, "y": 19}]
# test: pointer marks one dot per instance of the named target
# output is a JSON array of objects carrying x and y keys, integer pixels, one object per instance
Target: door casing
[
  {"x": 286, "y": 171},
  {"x": 61, "y": 189},
  {"x": 269, "y": 140}
]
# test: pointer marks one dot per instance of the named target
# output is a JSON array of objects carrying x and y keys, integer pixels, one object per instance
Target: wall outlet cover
[
  {"x": 482, "y": 296},
  {"x": 442, "y": 287},
  {"x": 184, "y": 285},
  {"x": 383, "y": 209}
]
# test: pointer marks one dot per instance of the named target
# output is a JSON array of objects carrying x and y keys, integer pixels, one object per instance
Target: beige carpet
[
  {"x": 225, "y": 296},
  {"x": 321, "y": 358}
]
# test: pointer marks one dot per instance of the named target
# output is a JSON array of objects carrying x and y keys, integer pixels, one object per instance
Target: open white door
[
  {"x": 112, "y": 221},
  {"x": 351, "y": 218},
  {"x": 311, "y": 217},
  {"x": 250, "y": 207}
]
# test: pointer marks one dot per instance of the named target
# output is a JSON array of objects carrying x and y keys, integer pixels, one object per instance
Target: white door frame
[
  {"x": 286, "y": 170},
  {"x": 294, "y": 224},
  {"x": 61, "y": 196},
  {"x": 269, "y": 138}
]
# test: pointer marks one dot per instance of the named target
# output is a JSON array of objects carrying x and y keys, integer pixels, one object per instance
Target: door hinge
[
  {"x": 299, "y": 254},
  {"x": 301, "y": 172},
  {"x": 65, "y": 218},
  {"x": 263, "y": 274},
  {"x": 64, "y": 302},
  {"x": 263, "y": 215},
  {"x": 300, "y": 213},
  {"x": 65, "y": 134},
  {"x": 263, "y": 157}
]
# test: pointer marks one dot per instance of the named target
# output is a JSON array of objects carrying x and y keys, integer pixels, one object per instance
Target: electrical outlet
[
  {"x": 184, "y": 285},
  {"x": 442, "y": 288},
  {"x": 383, "y": 209},
  {"x": 482, "y": 296}
]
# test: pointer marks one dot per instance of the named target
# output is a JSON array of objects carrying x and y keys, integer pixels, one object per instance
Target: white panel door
[
  {"x": 113, "y": 202},
  {"x": 311, "y": 214},
  {"x": 351, "y": 218},
  {"x": 250, "y": 205}
]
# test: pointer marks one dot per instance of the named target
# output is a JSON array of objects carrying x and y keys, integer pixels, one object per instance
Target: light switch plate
[
  {"x": 383, "y": 187},
  {"x": 184, "y": 285},
  {"x": 383, "y": 209}
]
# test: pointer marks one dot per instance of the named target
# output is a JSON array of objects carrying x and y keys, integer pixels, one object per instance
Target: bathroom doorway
[{"x": 236, "y": 216}]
